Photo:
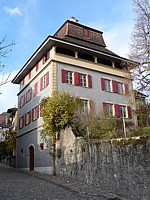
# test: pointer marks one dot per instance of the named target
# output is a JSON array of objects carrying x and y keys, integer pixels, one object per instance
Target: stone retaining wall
[{"x": 121, "y": 167}]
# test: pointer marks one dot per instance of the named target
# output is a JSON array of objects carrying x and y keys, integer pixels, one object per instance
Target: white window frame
[
  {"x": 83, "y": 80},
  {"x": 107, "y": 83},
  {"x": 34, "y": 113},
  {"x": 85, "y": 105},
  {"x": 28, "y": 95},
  {"x": 44, "y": 81},
  {"x": 69, "y": 76},
  {"x": 22, "y": 101},
  {"x": 21, "y": 122},
  {"x": 109, "y": 109},
  {"x": 123, "y": 110},
  {"x": 27, "y": 116},
  {"x": 120, "y": 87}
]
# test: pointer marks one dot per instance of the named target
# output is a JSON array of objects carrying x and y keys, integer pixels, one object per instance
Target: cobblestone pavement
[{"x": 19, "y": 185}]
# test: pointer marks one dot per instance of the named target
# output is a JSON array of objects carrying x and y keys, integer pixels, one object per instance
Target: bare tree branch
[
  {"x": 4, "y": 51},
  {"x": 140, "y": 44}
]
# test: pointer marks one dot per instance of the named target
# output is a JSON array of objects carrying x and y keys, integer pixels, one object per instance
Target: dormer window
[{"x": 86, "y": 32}]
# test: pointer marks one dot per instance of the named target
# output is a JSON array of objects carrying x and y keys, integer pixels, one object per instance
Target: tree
[
  {"x": 140, "y": 44},
  {"x": 57, "y": 112},
  {"x": 4, "y": 50},
  {"x": 10, "y": 140}
]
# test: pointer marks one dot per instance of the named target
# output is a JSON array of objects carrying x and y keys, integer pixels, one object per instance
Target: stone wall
[{"x": 121, "y": 167}]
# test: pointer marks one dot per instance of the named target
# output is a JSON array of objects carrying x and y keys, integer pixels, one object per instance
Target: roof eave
[{"x": 47, "y": 44}]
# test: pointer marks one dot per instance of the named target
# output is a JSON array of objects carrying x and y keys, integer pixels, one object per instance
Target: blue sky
[{"x": 29, "y": 22}]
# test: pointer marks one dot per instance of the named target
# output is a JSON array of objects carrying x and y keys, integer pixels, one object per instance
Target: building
[
  {"x": 75, "y": 59},
  {"x": 8, "y": 122}
]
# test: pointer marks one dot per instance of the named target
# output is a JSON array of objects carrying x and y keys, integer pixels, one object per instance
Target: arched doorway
[{"x": 31, "y": 158}]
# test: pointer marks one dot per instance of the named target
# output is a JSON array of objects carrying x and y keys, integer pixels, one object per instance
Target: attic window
[
  {"x": 64, "y": 51},
  {"x": 104, "y": 62},
  {"x": 85, "y": 56},
  {"x": 118, "y": 65},
  {"x": 86, "y": 32}
]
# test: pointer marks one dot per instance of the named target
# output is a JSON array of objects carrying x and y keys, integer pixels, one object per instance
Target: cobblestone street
[{"x": 18, "y": 185}]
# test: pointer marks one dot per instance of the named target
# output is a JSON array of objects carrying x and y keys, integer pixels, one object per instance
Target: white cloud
[
  {"x": 13, "y": 11},
  {"x": 8, "y": 96}
]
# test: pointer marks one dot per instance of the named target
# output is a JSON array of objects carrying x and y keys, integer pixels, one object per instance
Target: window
[
  {"x": 21, "y": 122},
  {"x": 35, "y": 89},
  {"x": 22, "y": 101},
  {"x": 114, "y": 86},
  {"x": 107, "y": 85},
  {"x": 83, "y": 80},
  {"x": 44, "y": 81},
  {"x": 109, "y": 109},
  {"x": 123, "y": 111},
  {"x": 35, "y": 113},
  {"x": 85, "y": 105},
  {"x": 120, "y": 88},
  {"x": 69, "y": 77},
  {"x": 29, "y": 95},
  {"x": 46, "y": 57},
  {"x": 64, "y": 51},
  {"x": 104, "y": 62},
  {"x": 28, "y": 118},
  {"x": 85, "y": 56}
]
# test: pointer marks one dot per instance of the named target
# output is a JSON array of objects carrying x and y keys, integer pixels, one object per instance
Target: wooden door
[{"x": 31, "y": 152}]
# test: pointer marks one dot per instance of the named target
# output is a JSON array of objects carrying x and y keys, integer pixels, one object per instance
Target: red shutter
[
  {"x": 25, "y": 117},
  {"x": 19, "y": 123},
  {"x": 89, "y": 81},
  {"x": 76, "y": 78},
  {"x": 48, "y": 55},
  {"x": 63, "y": 75},
  {"x": 33, "y": 114},
  {"x": 23, "y": 81},
  {"x": 43, "y": 60},
  {"x": 37, "y": 111},
  {"x": 30, "y": 116},
  {"x": 126, "y": 88},
  {"x": 114, "y": 86},
  {"x": 103, "y": 84},
  {"x": 23, "y": 120},
  {"x": 35, "y": 89},
  {"x": 30, "y": 93},
  {"x": 37, "y": 67},
  {"x": 26, "y": 97},
  {"x": 104, "y": 106},
  {"x": 117, "y": 110},
  {"x": 41, "y": 83},
  {"x": 129, "y": 112},
  {"x": 91, "y": 103},
  {"x": 29, "y": 75},
  {"x": 47, "y": 78}
]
